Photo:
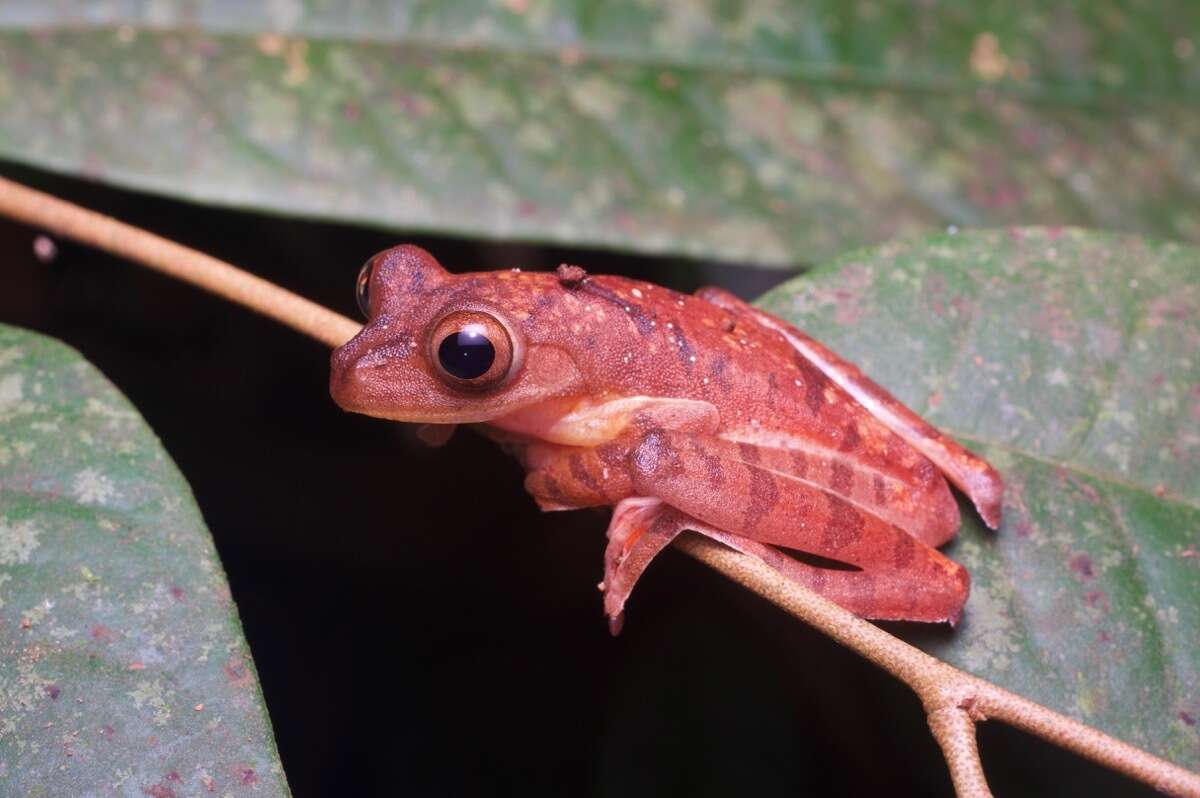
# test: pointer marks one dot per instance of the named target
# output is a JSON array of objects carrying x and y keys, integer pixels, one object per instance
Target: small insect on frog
[{"x": 683, "y": 412}]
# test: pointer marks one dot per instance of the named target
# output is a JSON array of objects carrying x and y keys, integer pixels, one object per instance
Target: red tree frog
[{"x": 680, "y": 411}]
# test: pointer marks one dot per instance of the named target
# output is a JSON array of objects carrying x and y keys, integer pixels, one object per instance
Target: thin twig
[
  {"x": 942, "y": 687},
  {"x": 954, "y": 700},
  {"x": 954, "y": 730},
  {"x": 39, "y": 209}
]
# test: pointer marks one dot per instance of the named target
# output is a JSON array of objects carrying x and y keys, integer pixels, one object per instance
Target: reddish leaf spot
[
  {"x": 237, "y": 672},
  {"x": 102, "y": 634},
  {"x": 247, "y": 776},
  {"x": 53, "y": 690},
  {"x": 1186, "y": 718},
  {"x": 176, "y": 592},
  {"x": 159, "y": 791},
  {"x": 1098, "y": 598},
  {"x": 107, "y": 732},
  {"x": 174, "y": 776},
  {"x": 935, "y": 293},
  {"x": 1081, "y": 566}
]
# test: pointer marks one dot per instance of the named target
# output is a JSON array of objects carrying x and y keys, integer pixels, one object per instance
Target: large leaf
[
  {"x": 754, "y": 131},
  {"x": 123, "y": 670},
  {"x": 1072, "y": 361}
]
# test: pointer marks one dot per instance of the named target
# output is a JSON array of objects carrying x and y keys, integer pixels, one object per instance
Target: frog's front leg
[
  {"x": 971, "y": 473},
  {"x": 744, "y": 505}
]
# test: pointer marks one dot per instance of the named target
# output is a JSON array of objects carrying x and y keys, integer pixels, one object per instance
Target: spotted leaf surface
[
  {"x": 123, "y": 670},
  {"x": 758, "y": 131},
  {"x": 1071, "y": 360}
]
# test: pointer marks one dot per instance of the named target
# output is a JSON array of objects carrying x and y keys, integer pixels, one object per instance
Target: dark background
[{"x": 418, "y": 626}]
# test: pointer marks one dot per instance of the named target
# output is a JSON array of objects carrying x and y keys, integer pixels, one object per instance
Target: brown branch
[
  {"x": 954, "y": 700},
  {"x": 954, "y": 730},
  {"x": 943, "y": 688},
  {"x": 39, "y": 209}
]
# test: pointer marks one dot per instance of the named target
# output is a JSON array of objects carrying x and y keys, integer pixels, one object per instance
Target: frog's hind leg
[
  {"x": 969, "y": 472},
  {"x": 916, "y": 500},
  {"x": 899, "y": 577},
  {"x": 642, "y": 527}
]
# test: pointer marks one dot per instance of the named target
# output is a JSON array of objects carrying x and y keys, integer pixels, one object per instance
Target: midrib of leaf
[
  {"x": 1168, "y": 497},
  {"x": 836, "y": 74}
]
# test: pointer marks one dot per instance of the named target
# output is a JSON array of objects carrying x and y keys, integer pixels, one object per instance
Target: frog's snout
[
  {"x": 343, "y": 374},
  {"x": 355, "y": 372}
]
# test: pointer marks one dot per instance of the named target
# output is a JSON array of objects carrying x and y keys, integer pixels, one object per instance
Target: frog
[{"x": 682, "y": 412}]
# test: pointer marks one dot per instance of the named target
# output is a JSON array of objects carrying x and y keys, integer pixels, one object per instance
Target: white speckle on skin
[
  {"x": 17, "y": 541},
  {"x": 92, "y": 487},
  {"x": 637, "y": 292}
]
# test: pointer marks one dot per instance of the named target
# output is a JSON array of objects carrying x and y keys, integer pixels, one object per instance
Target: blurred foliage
[
  {"x": 122, "y": 664},
  {"x": 778, "y": 133},
  {"x": 1068, "y": 359}
]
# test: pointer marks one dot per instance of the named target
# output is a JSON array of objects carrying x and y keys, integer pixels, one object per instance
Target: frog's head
[{"x": 448, "y": 348}]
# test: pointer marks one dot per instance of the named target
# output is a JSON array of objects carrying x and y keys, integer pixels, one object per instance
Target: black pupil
[{"x": 466, "y": 354}]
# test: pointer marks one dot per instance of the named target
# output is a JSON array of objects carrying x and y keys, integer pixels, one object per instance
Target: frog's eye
[
  {"x": 362, "y": 290},
  {"x": 471, "y": 349}
]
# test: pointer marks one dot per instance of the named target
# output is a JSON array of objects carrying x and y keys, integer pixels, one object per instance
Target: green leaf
[
  {"x": 758, "y": 131},
  {"x": 1071, "y": 360},
  {"x": 122, "y": 664}
]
